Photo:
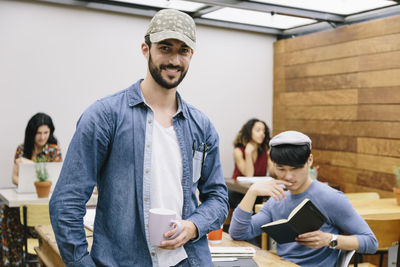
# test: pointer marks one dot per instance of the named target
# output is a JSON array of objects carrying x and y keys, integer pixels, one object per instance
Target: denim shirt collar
[{"x": 135, "y": 97}]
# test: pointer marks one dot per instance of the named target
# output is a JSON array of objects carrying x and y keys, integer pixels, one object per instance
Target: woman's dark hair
[
  {"x": 291, "y": 155},
  {"x": 34, "y": 123},
  {"x": 244, "y": 135}
]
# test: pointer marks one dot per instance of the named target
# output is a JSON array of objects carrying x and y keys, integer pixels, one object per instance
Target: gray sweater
[{"x": 342, "y": 218}]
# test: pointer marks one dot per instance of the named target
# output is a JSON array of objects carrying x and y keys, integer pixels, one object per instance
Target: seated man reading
[{"x": 290, "y": 153}]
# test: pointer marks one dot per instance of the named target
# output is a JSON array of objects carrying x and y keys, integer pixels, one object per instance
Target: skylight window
[
  {"x": 257, "y": 18},
  {"x": 342, "y": 7},
  {"x": 175, "y": 4}
]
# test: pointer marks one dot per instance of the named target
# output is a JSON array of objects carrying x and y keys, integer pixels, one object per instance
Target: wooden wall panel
[
  {"x": 359, "y": 31},
  {"x": 373, "y": 45},
  {"x": 346, "y": 65},
  {"x": 322, "y": 112},
  {"x": 331, "y": 97},
  {"x": 340, "y": 81},
  {"x": 380, "y": 95},
  {"x": 333, "y": 142},
  {"x": 380, "y": 147},
  {"x": 342, "y": 88},
  {"x": 390, "y": 60},
  {"x": 343, "y": 175},
  {"x": 381, "y": 78},
  {"x": 379, "y": 112},
  {"x": 347, "y": 128}
]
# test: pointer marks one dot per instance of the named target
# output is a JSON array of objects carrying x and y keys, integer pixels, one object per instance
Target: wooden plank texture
[
  {"x": 346, "y": 128},
  {"x": 358, "y": 161},
  {"x": 340, "y": 81},
  {"x": 379, "y": 95},
  {"x": 385, "y": 26},
  {"x": 381, "y": 78},
  {"x": 379, "y": 44},
  {"x": 342, "y": 175},
  {"x": 333, "y": 142},
  {"x": 322, "y": 112},
  {"x": 382, "y": 61},
  {"x": 331, "y": 97},
  {"x": 379, "y": 147},
  {"x": 330, "y": 67},
  {"x": 342, "y": 88},
  {"x": 379, "y": 112}
]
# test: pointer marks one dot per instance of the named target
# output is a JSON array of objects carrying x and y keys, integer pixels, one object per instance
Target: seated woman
[
  {"x": 250, "y": 154},
  {"x": 290, "y": 152},
  {"x": 39, "y": 145}
]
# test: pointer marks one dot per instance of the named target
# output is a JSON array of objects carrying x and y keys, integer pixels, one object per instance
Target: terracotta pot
[
  {"x": 396, "y": 192},
  {"x": 43, "y": 189}
]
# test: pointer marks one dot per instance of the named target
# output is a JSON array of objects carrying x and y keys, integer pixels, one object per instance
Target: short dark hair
[
  {"x": 291, "y": 155},
  {"x": 147, "y": 40},
  {"x": 34, "y": 123}
]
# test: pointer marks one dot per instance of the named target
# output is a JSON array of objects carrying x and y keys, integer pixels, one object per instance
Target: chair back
[
  {"x": 386, "y": 230},
  {"x": 36, "y": 214},
  {"x": 362, "y": 195},
  {"x": 344, "y": 258}
]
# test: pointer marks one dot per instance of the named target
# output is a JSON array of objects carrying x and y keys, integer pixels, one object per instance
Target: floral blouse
[{"x": 50, "y": 153}]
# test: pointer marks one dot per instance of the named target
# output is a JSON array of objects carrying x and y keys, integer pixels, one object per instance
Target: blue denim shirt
[{"x": 112, "y": 148}]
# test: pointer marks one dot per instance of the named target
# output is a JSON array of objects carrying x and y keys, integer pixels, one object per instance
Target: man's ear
[
  {"x": 145, "y": 50},
  {"x": 310, "y": 160}
]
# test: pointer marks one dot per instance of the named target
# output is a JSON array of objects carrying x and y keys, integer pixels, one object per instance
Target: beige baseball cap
[{"x": 172, "y": 24}]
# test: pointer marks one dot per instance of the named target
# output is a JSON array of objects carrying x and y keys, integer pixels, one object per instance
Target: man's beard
[{"x": 156, "y": 74}]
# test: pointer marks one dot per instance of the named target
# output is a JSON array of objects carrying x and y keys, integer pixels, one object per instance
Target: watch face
[{"x": 333, "y": 244}]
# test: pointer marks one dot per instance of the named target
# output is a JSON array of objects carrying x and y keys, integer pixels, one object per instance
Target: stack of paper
[
  {"x": 237, "y": 252},
  {"x": 252, "y": 180}
]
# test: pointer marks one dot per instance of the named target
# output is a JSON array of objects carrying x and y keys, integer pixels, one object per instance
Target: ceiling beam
[
  {"x": 283, "y": 10},
  {"x": 238, "y": 26},
  {"x": 205, "y": 10}
]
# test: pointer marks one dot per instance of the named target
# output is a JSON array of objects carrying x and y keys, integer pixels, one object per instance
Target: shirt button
[
  {"x": 146, "y": 199},
  {"x": 149, "y": 121},
  {"x": 146, "y": 171},
  {"x": 153, "y": 254},
  {"x": 148, "y": 145}
]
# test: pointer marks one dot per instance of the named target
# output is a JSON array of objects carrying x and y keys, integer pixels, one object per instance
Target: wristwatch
[{"x": 333, "y": 242}]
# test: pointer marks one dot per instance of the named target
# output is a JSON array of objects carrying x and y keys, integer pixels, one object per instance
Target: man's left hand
[
  {"x": 188, "y": 231},
  {"x": 316, "y": 239}
]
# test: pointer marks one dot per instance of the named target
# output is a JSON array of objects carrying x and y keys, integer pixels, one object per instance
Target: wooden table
[
  {"x": 373, "y": 208},
  {"x": 262, "y": 258},
  {"x": 49, "y": 254},
  {"x": 234, "y": 185}
]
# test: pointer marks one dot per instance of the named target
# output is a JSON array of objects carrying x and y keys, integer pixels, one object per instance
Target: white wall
[{"x": 59, "y": 59}]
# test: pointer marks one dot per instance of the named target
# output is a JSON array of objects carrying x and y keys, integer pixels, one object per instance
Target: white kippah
[{"x": 290, "y": 138}]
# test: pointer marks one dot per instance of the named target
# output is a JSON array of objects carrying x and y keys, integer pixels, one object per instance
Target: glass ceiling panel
[
  {"x": 176, "y": 4},
  {"x": 342, "y": 7},
  {"x": 257, "y": 18}
]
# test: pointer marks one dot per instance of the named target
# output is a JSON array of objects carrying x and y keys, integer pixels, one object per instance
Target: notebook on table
[{"x": 27, "y": 176}]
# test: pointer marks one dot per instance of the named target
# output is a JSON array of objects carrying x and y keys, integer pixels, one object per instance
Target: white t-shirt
[{"x": 166, "y": 183}]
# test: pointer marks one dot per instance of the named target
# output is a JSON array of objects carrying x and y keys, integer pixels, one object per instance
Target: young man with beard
[
  {"x": 290, "y": 153},
  {"x": 144, "y": 147}
]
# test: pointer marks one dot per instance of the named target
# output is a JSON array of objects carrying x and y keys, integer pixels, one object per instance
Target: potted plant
[
  {"x": 396, "y": 190},
  {"x": 42, "y": 184}
]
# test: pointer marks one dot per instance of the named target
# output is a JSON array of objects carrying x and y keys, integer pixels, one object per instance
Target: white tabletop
[{"x": 13, "y": 199}]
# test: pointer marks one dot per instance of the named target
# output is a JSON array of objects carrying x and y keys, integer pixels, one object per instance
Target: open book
[{"x": 304, "y": 218}]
